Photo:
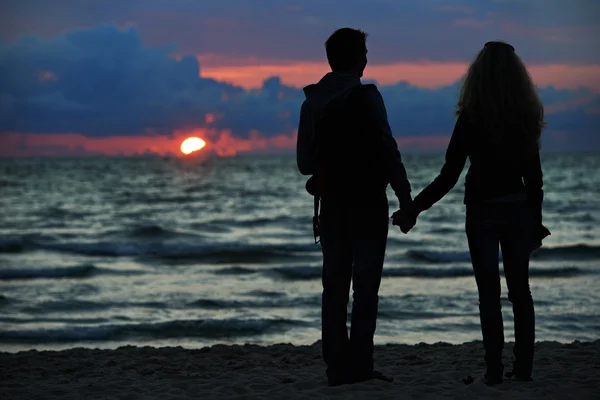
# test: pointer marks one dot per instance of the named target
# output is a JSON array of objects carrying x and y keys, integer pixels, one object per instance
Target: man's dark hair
[{"x": 345, "y": 47}]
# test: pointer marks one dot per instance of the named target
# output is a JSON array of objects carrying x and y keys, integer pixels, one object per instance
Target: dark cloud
[
  {"x": 105, "y": 82},
  {"x": 548, "y": 31}
]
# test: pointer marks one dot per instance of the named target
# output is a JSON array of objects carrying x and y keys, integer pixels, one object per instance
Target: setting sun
[{"x": 192, "y": 144}]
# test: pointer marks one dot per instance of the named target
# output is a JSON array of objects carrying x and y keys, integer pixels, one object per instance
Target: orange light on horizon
[
  {"x": 221, "y": 143},
  {"x": 251, "y": 73},
  {"x": 47, "y": 76},
  {"x": 192, "y": 144}
]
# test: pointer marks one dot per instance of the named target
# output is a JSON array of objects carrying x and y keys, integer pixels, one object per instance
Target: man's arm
[
  {"x": 392, "y": 158},
  {"x": 305, "y": 146}
]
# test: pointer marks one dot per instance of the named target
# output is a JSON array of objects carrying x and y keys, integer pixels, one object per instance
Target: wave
[
  {"x": 76, "y": 271},
  {"x": 151, "y": 231},
  {"x": 12, "y": 244},
  {"x": 233, "y": 252},
  {"x": 216, "y": 252},
  {"x": 5, "y": 183},
  {"x": 55, "y": 320},
  {"x": 310, "y": 273},
  {"x": 204, "y": 328},
  {"x": 224, "y": 304},
  {"x": 21, "y": 243},
  {"x": 144, "y": 231},
  {"x": 397, "y": 314},
  {"x": 439, "y": 256},
  {"x": 225, "y": 253},
  {"x": 75, "y": 305},
  {"x": 236, "y": 271},
  {"x": 444, "y": 230},
  {"x": 258, "y": 300},
  {"x": 56, "y": 212},
  {"x": 127, "y": 198},
  {"x": 265, "y": 293},
  {"x": 569, "y": 252}
]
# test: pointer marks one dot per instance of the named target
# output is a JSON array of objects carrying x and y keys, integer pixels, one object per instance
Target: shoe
[
  {"x": 337, "y": 382},
  {"x": 492, "y": 379},
  {"x": 372, "y": 375},
  {"x": 512, "y": 375},
  {"x": 493, "y": 374},
  {"x": 337, "y": 379}
]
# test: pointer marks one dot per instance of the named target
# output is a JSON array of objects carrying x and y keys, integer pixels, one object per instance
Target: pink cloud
[
  {"x": 472, "y": 23},
  {"x": 453, "y": 8},
  {"x": 560, "y": 34},
  {"x": 251, "y": 72},
  {"x": 47, "y": 76},
  {"x": 575, "y": 103}
]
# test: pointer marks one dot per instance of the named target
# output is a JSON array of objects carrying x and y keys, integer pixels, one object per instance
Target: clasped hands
[{"x": 404, "y": 219}]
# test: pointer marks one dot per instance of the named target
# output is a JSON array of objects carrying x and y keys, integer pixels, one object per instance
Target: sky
[{"x": 131, "y": 77}]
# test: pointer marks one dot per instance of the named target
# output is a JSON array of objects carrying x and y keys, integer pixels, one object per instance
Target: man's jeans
[
  {"x": 353, "y": 239},
  {"x": 510, "y": 225}
]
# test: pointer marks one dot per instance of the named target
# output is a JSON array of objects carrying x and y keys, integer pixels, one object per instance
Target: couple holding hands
[{"x": 346, "y": 144}]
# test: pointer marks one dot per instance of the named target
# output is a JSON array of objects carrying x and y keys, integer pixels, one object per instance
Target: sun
[{"x": 192, "y": 144}]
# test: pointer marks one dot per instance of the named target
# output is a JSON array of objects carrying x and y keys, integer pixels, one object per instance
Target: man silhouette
[{"x": 346, "y": 144}]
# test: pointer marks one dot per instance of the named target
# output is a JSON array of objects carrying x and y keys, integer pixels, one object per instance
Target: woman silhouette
[{"x": 500, "y": 120}]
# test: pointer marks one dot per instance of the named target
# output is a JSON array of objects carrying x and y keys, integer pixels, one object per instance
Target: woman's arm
[
  {"x": 533, "y": 180},
  {"x": 456, "y": 157}
]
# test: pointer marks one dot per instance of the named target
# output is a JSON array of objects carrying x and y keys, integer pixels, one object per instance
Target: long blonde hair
[{"x": 498, "y": 92}]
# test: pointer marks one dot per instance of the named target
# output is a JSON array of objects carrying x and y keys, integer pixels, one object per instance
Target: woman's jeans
[{"x": 510, "y": 226}]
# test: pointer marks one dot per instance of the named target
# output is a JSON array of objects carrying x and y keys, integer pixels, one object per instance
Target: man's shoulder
[
  {"x": 365, "y": 90},
  {"x": 370, "y": 87},
  {"x": 369, "y": 94}
]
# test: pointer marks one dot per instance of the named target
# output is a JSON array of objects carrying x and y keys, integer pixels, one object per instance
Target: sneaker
[
  {"x": 492, "y": 379},
  {"x": 373, "y": 375},
  {"x": 518, "y": 377}
]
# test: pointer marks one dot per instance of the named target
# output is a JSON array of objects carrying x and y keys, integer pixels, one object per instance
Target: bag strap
[{"x": 316, "y": 225}]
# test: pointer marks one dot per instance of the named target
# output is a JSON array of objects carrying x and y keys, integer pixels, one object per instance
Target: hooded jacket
[{"x": 337, "y": 86}]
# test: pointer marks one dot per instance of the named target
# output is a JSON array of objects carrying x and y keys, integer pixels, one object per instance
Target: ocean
[{"x": 106, "y": 252}]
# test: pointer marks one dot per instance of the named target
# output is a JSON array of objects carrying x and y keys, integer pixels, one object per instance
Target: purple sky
[{"x": 120, "y": 69}]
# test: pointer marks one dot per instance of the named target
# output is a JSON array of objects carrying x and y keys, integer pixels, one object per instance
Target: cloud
[
  {"x": 472, "y": 23},
  {"x": 401, "y": 30},
  {"x": 104, "y": 82}
]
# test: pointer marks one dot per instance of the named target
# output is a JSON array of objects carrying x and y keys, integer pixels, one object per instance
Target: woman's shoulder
[{"x": 466, "y": 123}]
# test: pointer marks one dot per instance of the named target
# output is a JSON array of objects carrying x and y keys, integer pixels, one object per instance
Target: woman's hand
[{"x": 404, "y": 220}]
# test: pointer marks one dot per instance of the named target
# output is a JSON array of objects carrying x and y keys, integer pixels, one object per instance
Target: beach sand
[{"x": 423, "y": 371}]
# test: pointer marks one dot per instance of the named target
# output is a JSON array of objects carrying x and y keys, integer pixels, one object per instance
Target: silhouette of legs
[
  {"x": 353, "y": 240},
  {"x": 482, "y": 226},
  {"x": 337, "y": 275},
  {"x": 369, "y": 254},
  {"x": 511, "y": 225},
  {"x": 516, "y": 251}
]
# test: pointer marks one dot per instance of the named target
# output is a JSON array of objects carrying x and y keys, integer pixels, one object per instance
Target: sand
[{"x": 562, "y": 371}]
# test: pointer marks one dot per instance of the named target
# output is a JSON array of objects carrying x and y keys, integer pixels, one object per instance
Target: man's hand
[{"x": 404, "y": 220}]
